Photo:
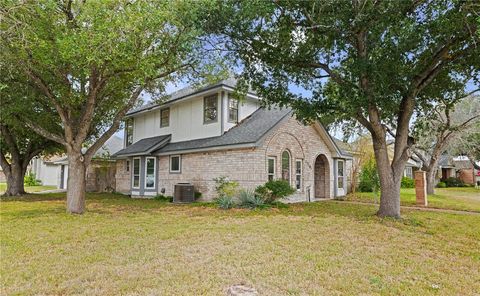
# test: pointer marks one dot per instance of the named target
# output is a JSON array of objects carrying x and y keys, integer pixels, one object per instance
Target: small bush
[
  {"x": 369, "y": 181},
  {"x": 454, "y": 182},
  {"x": 198, "y": 195},
  {"x": 225, "y": 187},
  {"x": 274, "y": 190},
  {"x": 225, "y": 202},
  {"x": 248, "y": 199},
  {"x": 163, "y": 198},
  {"x": 30, "y": 180},
  {"x": 441, "y": 185},
  {"x": 408, "y": 182}
]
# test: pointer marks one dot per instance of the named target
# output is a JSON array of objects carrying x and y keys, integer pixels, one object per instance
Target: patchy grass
[
  {"x": 30, "y": 189},
  {"x": 458, "y": 198},
  {"x": 125, "y": 246}
]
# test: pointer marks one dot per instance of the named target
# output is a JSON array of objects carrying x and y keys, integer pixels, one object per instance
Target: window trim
[
  {"x": 204, "y": 109},
  {"x": 179, "y": 164},
  {"x": 154, "y": 173},
  {"x": 229, "y": 109},
  {"x": 273, "y": 174},
  {"x": 139, "y": 172},
  {"x": 168, "y": 123},
  {"x": 289, "y": 166},
  {"x": 297, "y": 161},
  {"x": 343, "y": 173}
]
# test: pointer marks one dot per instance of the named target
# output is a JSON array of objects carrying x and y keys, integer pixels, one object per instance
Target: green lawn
[
  {"x": 463, "y": 198},
  {"x": 30, "y": 189},
  {"x": 125, "y": 246}
]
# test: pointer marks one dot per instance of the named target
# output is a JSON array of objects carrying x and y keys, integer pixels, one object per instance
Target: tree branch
[
  {"x": 12, "y": 144},
  {"x": 44, "y": 133}
]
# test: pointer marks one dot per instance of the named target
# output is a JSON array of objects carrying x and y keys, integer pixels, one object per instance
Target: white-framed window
[
  {"x": 127, "y": 165},
  {"x": 165, "y": 117},
  {"x": 128, "y": 132},
  {"x": 409, "y": 172},
  {"x": 210, "y": 109},
  {"x": 286, "y": 166},
  {"x": 232, "y": 110},
  {"x": 150, "y": 169},
  {"x": 175, "y": 164},
  {"x": 298, "y": 174},
  {"x": 271, "y": 168},
  {"x": 136, "y": 173},
  {"x": 340, "y": 173}
]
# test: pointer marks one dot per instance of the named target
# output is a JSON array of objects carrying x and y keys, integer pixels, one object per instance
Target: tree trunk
[
  {"x": 389, "y": 180},
  {"x": 76, "y": 183},
  {"x": 431, "y": 181},
  {"x": 15, "y": 180}
]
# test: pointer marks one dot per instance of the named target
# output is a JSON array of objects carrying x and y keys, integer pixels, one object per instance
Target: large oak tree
[
  {"x": 91, "y": 61},
  {"x": 364, "y": 62},
  {"x": 449, "y": 122}
]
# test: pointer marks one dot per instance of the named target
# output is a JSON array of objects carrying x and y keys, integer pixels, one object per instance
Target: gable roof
[
  {"x": 144, "y": 146},
  {"x": 248, "y": 131},
  {"x": 186, "y": 92}
]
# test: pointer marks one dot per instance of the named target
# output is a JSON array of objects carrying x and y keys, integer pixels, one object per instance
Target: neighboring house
[
  {"x": 53, "y": 171},
  {"x": 446, "y": 168},
  {"x": 465, "y": 171},
  {"x": 198, "y": 135}
]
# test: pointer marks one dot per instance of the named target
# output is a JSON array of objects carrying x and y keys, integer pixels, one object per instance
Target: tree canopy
[
  {"x": 366, "y": 63},
  {"x": 91, "y": 61}
]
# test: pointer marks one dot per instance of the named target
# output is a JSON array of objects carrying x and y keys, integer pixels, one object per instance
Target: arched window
[{"x": 286, "y": 166}]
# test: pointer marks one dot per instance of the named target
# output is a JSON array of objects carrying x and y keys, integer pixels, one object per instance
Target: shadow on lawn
[{"x": 113, "y": 204}]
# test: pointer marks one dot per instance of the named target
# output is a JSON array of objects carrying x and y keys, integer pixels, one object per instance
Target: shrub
[
  {"x": 225, "y": 202},
  {"x": 441, "y": 185},
  {"x": 454, "y": 182},
  {"x": 198, "y": 195},
  {"x": 163, "y": 198},
  {"x": 274, "y": 190},
  {"x": 408, "y": 182},
  {"x": 369, "y": 181},
  {"x": 224, "y": 187},
  {"x": 248, "y": 199},
  {"x": 30, "y": 180}
]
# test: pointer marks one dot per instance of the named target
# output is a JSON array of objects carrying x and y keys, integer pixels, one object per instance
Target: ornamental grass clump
[{"x": 248, "y": 199}]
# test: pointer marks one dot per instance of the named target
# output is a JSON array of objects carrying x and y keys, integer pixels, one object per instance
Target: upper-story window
[
  {"x": 210, "y": 109},
  {"x": 129, "y": 132},
  {"x": 165, "y": 117},
  {"x": 232, "y": 110}
]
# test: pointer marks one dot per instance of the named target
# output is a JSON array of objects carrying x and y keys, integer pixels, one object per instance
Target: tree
[
  {"x": 469, "y": 145},
  {"x": 368, "y": 63},
  {"x": 91, "y": 61},
  {"x": 438, "y": 131},
  {"x": 18, "y": 144}
]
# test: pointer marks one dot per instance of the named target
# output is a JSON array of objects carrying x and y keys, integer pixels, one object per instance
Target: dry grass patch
[{"x": 125, "y": 246}]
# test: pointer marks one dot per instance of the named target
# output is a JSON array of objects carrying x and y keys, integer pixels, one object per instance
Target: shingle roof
[
  {"x": 144, "y": 146},
  {"x": 463, "y": 164},
  {"x": 185, "y": 92},
  {"x": 249, "y": 130},
  {"x": 446, "y": 161}
]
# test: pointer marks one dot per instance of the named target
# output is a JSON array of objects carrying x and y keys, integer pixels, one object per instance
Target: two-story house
[{"x": 198, "y": 135}]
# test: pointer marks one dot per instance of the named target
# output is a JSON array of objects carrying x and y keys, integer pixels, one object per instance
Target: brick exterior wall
[
  {"x": 247, "y": 166},
  {"x": 101, "y": 176},
  {"x": 467, "y": 176},
  {"x": 122, "y": 177},
  {"x": 421, "y": 188}
]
